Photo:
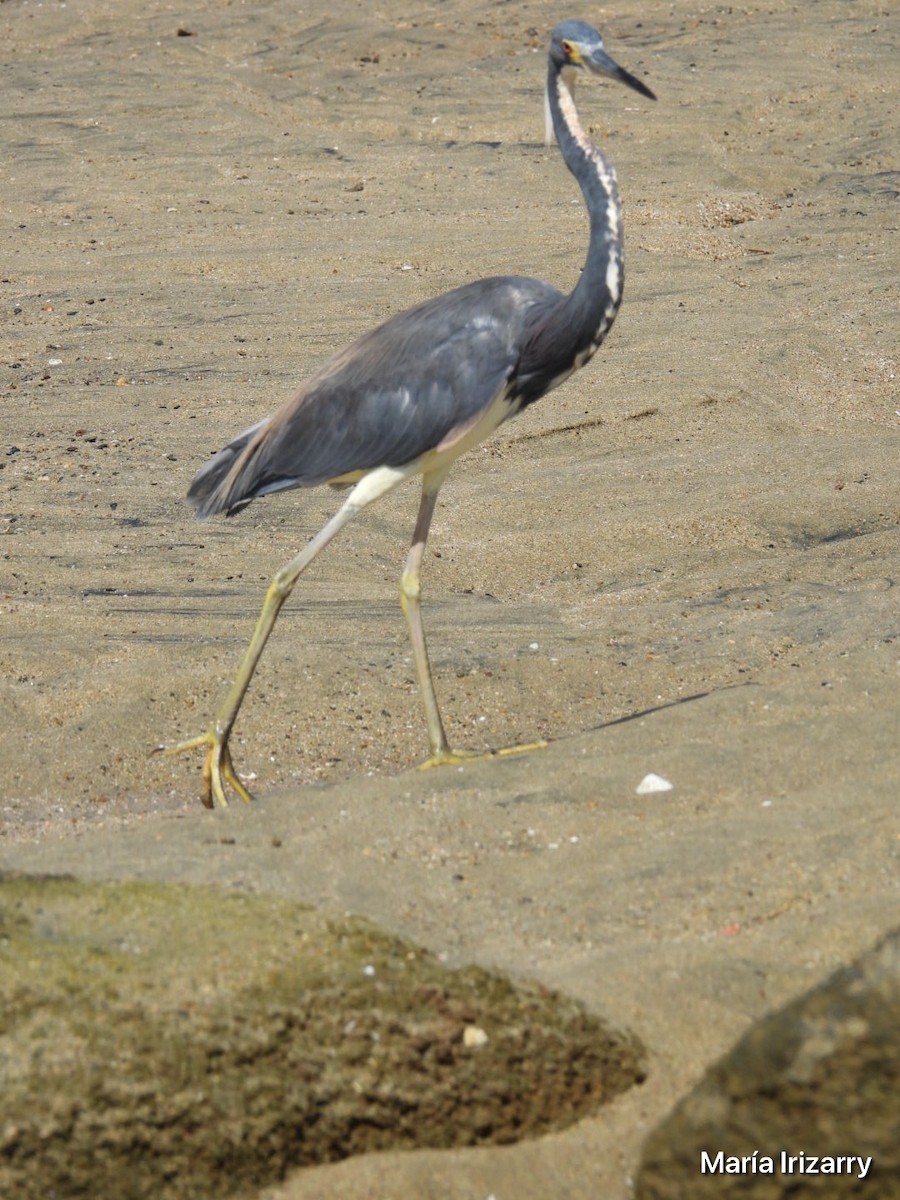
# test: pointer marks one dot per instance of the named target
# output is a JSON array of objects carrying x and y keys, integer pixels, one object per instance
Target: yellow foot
[
  {"x": 449, "y": 758},
  {"x": 218, "y": 769},
  {"x": 509, "y": 751}
]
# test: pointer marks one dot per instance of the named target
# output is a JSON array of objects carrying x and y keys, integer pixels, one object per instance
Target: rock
[
  {"x": 807, "y": 1087},
  {"x": 185, "y": 1042}
]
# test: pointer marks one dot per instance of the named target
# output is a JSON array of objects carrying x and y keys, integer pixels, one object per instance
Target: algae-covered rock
[
  {"x": 806, "y": 1105},
  {"x": 185, "y": 1042}
]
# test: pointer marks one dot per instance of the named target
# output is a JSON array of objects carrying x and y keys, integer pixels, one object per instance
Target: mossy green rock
[{"x": 186, "y": 1042}]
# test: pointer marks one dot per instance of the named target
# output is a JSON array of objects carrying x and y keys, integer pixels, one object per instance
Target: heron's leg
[
  {"x": 218, "y": 769},
  {"x": 410, "y": 600}
]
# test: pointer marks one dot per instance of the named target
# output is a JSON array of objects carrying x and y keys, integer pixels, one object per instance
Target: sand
[{"x": 681, "y": 562}]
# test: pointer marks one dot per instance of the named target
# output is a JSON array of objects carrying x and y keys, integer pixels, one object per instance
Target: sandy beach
[{"x": 682, "y": 562}]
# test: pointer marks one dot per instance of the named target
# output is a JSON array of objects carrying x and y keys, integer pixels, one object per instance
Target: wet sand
[{"x": 683, "y": 561}]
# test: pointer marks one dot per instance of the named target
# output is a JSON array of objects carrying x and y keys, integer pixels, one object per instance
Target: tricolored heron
[{"x": 411, "y": 396}]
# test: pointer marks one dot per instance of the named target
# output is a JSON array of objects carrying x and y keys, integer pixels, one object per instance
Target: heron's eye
[{"x": 567, "y": 49}]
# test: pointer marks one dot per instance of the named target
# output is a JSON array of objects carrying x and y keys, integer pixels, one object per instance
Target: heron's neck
[{"x": 591, "y": 308}]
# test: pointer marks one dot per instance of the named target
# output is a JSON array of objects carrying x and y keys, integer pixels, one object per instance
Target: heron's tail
[{"x": 217, "y": 485}]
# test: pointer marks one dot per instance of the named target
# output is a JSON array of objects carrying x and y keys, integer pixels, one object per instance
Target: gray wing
[{"x": 397, "y": 392}]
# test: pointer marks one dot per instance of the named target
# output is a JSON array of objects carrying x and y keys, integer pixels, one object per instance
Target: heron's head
[{"x": 576, "y": 46}]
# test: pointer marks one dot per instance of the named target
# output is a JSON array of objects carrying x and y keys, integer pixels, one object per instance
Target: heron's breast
[{"x": 470, "y": 433}]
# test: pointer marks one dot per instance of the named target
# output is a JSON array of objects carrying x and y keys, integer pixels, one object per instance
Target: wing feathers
[{"x": 400, "y": 390}]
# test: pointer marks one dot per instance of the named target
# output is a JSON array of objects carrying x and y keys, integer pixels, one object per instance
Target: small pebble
[{"x": 473, "y": 1036}]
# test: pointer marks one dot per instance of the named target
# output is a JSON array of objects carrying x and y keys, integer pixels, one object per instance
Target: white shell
[{"x": 653, "y": 783}]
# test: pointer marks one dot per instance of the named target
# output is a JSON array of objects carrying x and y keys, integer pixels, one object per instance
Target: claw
[{"x": 218, "y": 768}]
